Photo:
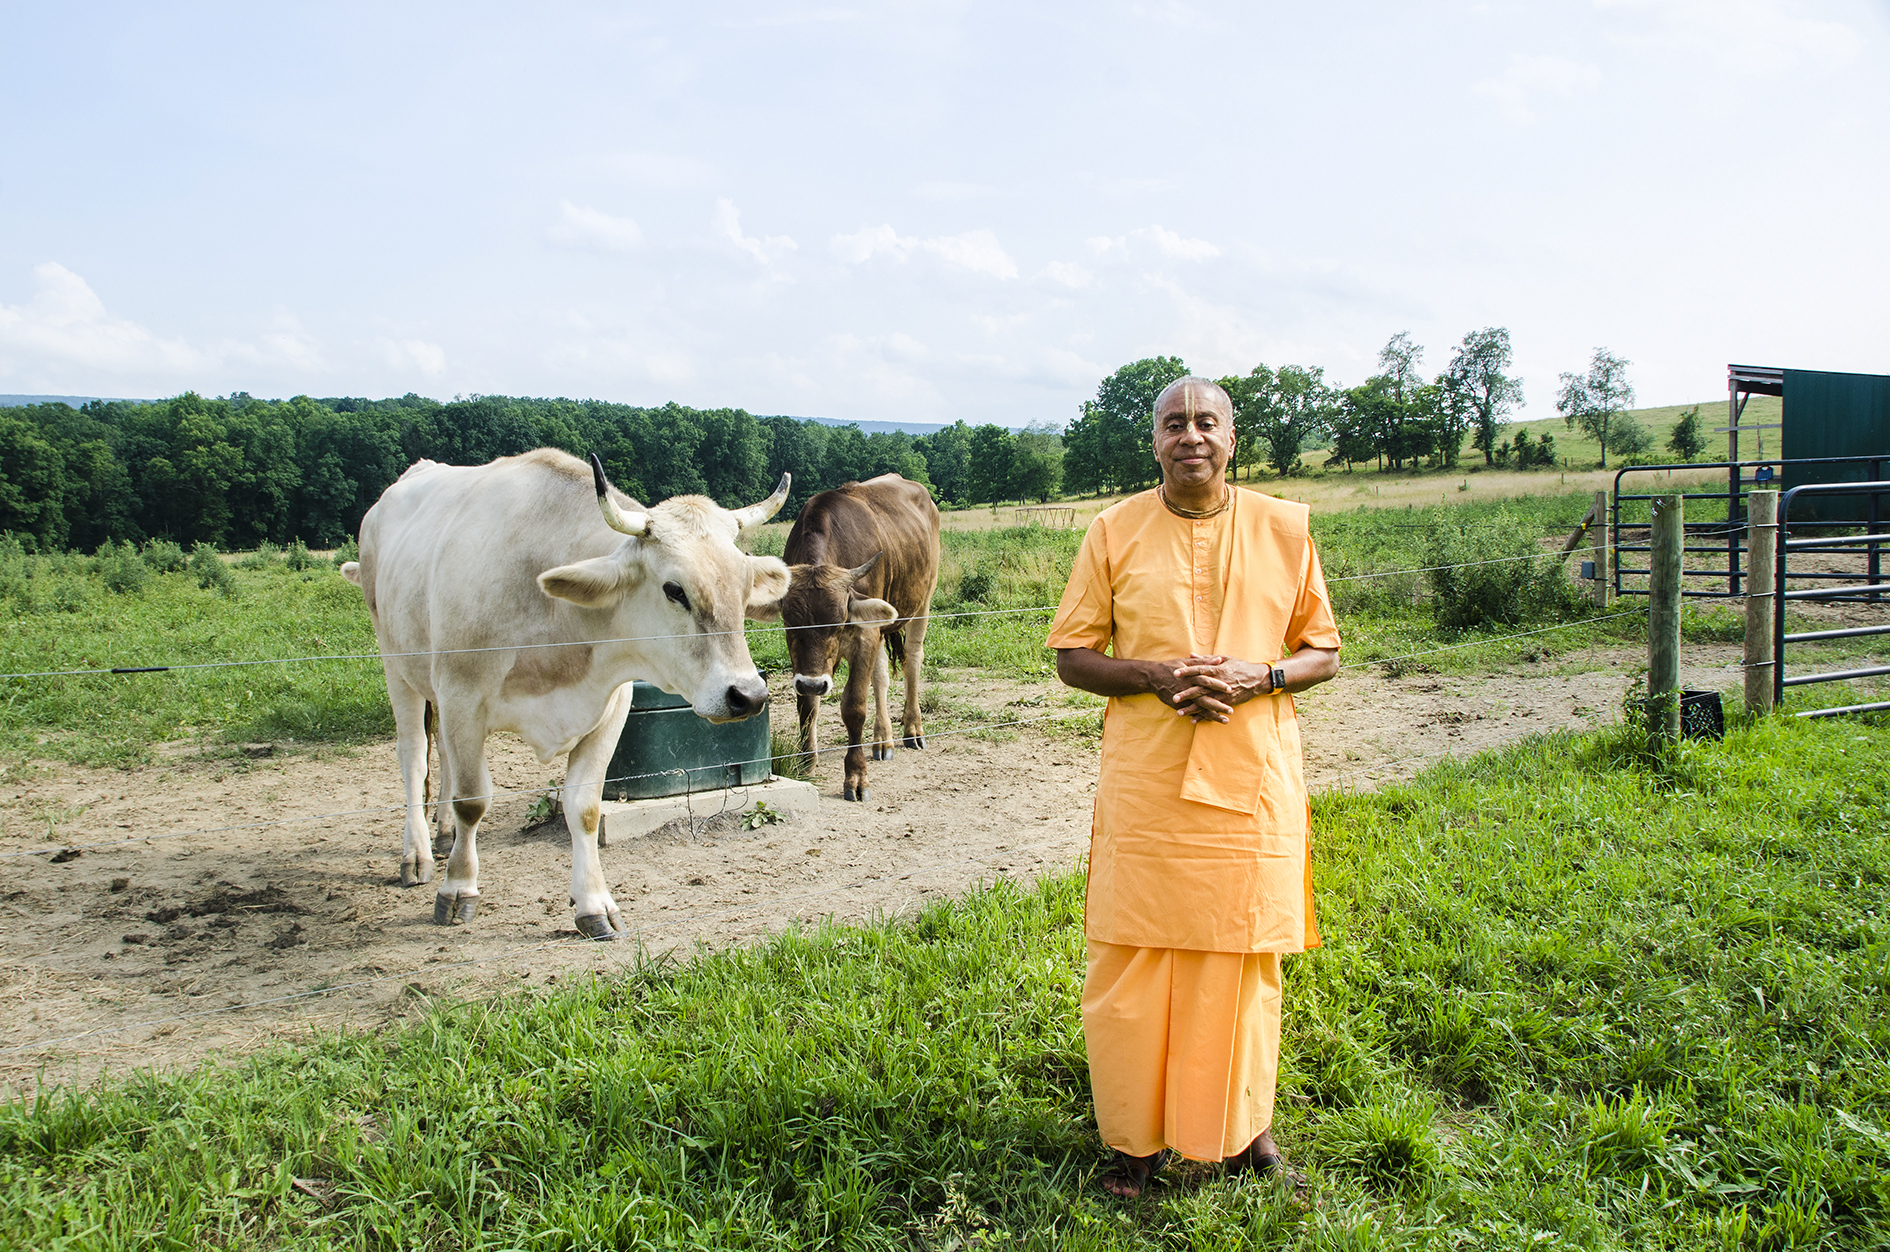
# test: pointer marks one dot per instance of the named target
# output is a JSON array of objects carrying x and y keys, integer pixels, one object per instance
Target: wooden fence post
[
  {"x": 1603, "y": 589},
  {"x": 1663, "y": 620},
  {"x": 1761, "y": 597}
]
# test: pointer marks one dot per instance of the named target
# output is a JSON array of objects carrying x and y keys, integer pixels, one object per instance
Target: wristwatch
[{"x": 1278, "y": 679}]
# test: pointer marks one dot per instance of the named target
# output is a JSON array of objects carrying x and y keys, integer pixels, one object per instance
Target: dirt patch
[{"x": 214, "y": 897}]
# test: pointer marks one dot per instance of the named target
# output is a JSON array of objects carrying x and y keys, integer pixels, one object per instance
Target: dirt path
[{"x": 189, "y": 925}]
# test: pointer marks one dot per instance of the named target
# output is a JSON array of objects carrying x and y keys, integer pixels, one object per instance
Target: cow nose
[
  {"x": 816, "y": 685},
  {"x": 743, "y": 702}
]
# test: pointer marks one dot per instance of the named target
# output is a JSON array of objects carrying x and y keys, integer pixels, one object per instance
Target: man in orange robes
[{"x": 1199, "y": 870}]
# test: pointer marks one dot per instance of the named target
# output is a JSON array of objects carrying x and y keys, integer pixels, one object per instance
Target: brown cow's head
[{"x": 821, "y": 605}]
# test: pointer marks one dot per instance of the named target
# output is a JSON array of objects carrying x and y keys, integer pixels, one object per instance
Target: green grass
[
  {"x": 1569, "y": 998},
  {"x": 57, "y": 614},
  {"x": 63, "y": 616}
]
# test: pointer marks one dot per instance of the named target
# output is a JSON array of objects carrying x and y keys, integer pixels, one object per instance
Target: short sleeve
[
  {"x": 1086, "y": 617},
  {"x": 1312, "y": 624}
]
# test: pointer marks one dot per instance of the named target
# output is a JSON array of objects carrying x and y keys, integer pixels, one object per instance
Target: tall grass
[{"x": 1570, "y": 997}]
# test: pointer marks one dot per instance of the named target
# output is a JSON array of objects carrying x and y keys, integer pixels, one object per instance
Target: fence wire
[{"x": 322, "y": 658}]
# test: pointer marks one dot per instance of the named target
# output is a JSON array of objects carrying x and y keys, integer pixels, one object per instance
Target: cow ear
[
  {"x": 598, "y": 583},
  {"x": 768, "y": 582},
  {"x": 864, "y": 612}
]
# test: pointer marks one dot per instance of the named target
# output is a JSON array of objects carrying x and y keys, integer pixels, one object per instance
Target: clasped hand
[{"x": 1206, "y": 688}]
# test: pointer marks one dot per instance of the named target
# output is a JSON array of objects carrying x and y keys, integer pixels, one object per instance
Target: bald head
[{"x": 1194, "y": 394}]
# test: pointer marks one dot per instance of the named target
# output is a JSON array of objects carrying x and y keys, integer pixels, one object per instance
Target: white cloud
[
  {"x": 1163, "y": 240},
  {"x": 871, "y": 241},
  {"x": 1067, "y": 273},
  {"x": 945, "y": 189},
  {"x": 1757, "y": 36},
  {"x": 403, "y": 354},
  {"x": 65, "y": 331},
  {"x": 767, "y": 252},
  {"x": 976, "y": 250},
  {"x": 579, "y": 226},
  {"x": 1532, "y": 76}
]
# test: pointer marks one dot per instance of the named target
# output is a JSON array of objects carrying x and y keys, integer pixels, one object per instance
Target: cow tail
[
  {"x": 426, "y": 785},
  {"x": 895, "y": 648}
]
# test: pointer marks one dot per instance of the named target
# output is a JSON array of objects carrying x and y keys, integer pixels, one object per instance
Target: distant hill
[
  {"x": 11, "y": 402},
  {"x": 910, "y": 428}
]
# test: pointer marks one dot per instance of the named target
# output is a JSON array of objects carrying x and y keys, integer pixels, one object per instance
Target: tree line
[
  {"x": 237, "y": 471},
  {"x": 1394, "y": 419}
]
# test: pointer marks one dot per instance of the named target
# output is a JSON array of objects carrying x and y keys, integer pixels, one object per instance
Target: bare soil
[{"x": 204, "y": 929}]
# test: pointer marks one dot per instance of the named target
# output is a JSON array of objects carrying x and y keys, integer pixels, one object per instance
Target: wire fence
[
  {"x": 327, "y": 987},
  {"x": 322, "y": 658}
]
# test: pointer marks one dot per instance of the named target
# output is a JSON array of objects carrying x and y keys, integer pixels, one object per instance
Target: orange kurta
[{"x": 1200, "y": 837}]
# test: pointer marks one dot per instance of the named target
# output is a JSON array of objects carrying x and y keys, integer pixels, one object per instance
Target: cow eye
[{"x": 675, "y": 592}]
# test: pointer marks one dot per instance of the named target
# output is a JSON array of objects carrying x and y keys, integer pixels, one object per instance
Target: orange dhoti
[
  {"x": 1184, "y": 1047},
  {"x": 1199, "y": 867}
]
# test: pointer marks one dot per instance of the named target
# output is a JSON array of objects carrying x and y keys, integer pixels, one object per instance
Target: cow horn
[
  {"x": 858, "y": 572},
  {"x": 755, "y": 514},
  {"x": 627, "y": 523}
]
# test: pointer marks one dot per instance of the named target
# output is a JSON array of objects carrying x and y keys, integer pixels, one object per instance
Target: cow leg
[
  {"x": 915, "y": 661},
  {"x": 809, "y": 709},
  {"x": 853, "y": 716},
  {"x": 882, "y": 713},
  {"x": 411, "y": 740},
  {"x": 598, "y": 916},
  {"x": 463, "y": 758}
]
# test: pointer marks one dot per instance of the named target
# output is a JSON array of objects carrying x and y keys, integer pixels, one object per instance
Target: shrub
[
  {"x": 210, "y": 570},
  {"x": 1687, "y": 441},
  {"x": 1484, "y": 574},
  {"x": 976, "y": 586},
  {"x": 120, "y": 568},
  {"x": 264, "y": 557},
  {"x": 164, "y": 556},
  {"x": 348, "y": 551},
  {"x": 297, "y": 556},
  {"x": 1628, "y": 439}
]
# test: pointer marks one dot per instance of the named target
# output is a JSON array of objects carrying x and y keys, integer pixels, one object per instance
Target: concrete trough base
[{"x": 631, "y": 819}]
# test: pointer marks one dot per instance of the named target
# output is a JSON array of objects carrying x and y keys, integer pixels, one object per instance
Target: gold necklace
[{"x": 1194, "y": 515}]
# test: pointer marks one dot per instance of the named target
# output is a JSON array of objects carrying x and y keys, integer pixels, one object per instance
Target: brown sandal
[{"x": 1128, "y": 1176}]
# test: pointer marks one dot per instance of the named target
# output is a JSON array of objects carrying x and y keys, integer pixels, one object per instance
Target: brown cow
[{"x": 864, "y": 561}]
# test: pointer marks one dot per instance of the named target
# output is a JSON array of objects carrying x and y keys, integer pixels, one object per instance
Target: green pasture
[
  {"x": 1571, "y": 997},
  {"x": 995, "y": 591}
]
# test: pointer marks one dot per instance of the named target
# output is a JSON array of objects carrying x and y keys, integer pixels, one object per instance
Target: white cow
[{"x": 502, "y": 597}]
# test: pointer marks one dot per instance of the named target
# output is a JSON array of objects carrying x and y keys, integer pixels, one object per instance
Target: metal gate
[
  {"x": 1724, "y": 538},
  {"x": 1864, "y": 584}
]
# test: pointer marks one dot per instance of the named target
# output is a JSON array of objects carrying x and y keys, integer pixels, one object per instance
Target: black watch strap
[{"x": 1279, "y": 680}]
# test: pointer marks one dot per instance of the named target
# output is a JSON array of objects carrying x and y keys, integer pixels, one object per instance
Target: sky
[{"x": 931, "y": 211}]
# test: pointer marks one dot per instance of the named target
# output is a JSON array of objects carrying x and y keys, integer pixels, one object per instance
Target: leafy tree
[
  {"x": 1036, "y": 463},
  {"x": 1252, "y": 394},
  {"x": 1478, "y": 377},
  {"x": 32, "y": 484},
  {"x": 1298, "y": 405},
  {"x": 992, "y": 448},
  {"x": 1594, "y": 402},
  {"x": 1397, "y": 403},
  {"x": 1110, "y": 447},
  {"x": 1686, "y": 441},
  {"x": 947, "y": 454}
]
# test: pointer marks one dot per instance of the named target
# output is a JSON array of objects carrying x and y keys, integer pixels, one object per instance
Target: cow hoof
[
  {"x": 881, "y": 752},
  {"x": 848, "y": 793},
  {"x": 409, "y": 875},
  {"x": 454, "y": 909},
  {"x": 915, "y": 741},
  {"x": 596, "y": 926}
]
